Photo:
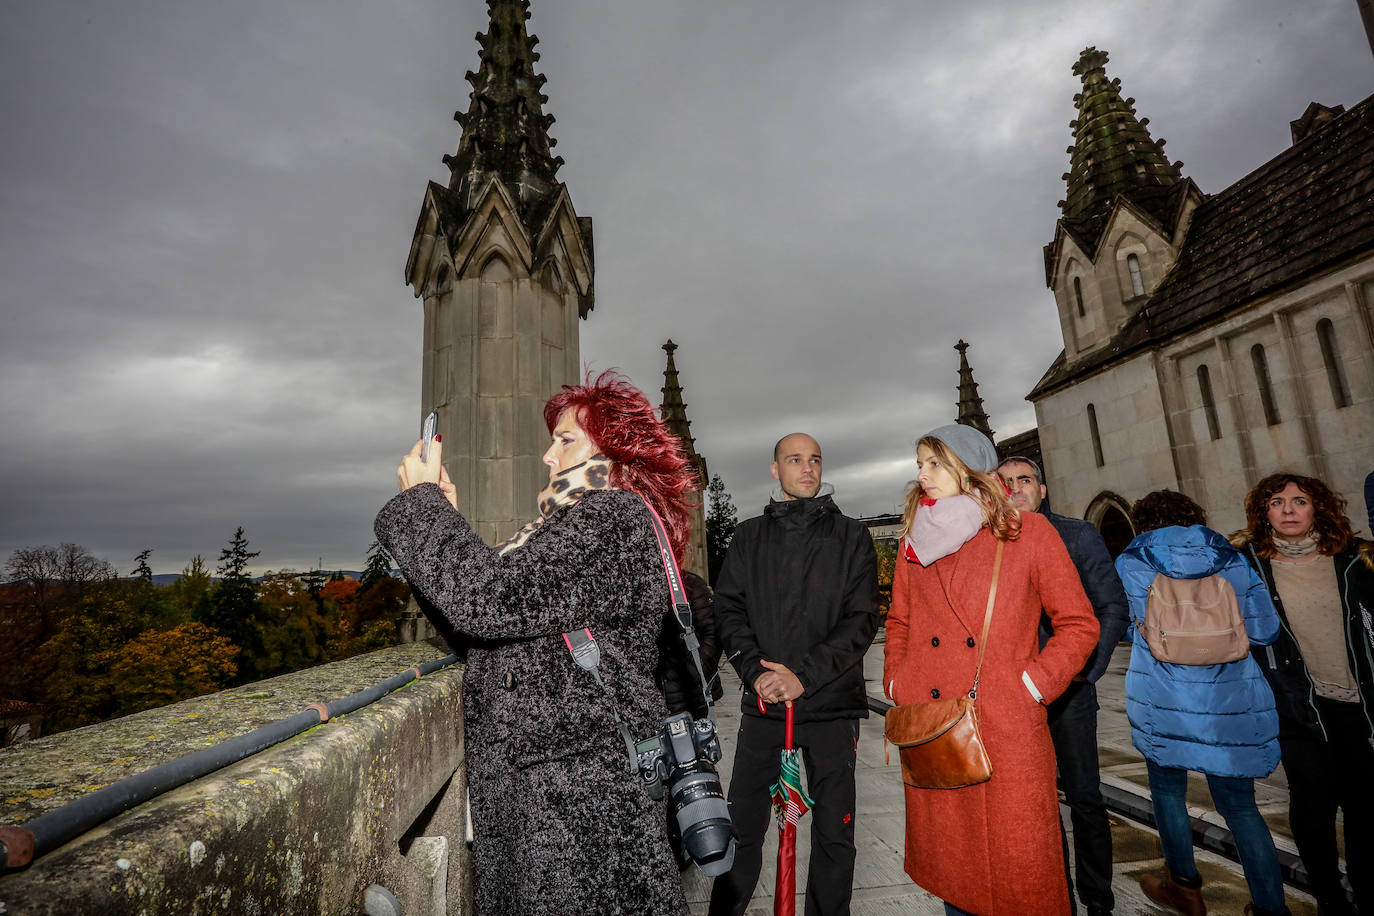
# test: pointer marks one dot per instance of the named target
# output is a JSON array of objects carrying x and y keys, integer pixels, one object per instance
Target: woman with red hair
[
  {"x": 561, "y": 821},
  {"x": 1321, "y": 669}
]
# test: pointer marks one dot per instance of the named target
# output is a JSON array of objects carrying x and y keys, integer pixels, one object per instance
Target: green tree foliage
[
  {"x": 721, "y": 519},
  {"x": 87, "y": 645},
  {"x": 378, "y": 565},
  {"x": 142, "y": 571},
  {"x": 233, "y": 607},
  {"x": 191, "y": 593},
  {"x": 296, "y": 630}
]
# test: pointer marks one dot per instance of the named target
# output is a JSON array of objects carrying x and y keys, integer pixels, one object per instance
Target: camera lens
[{"x": 703, "y": 819}]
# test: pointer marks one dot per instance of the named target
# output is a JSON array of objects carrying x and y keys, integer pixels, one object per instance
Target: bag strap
[
  {"x": 682, "y": 608},
  {"x": 987, "y": 618}
]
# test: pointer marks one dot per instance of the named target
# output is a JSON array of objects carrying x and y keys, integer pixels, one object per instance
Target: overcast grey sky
[{"x": 205, "y": 210}]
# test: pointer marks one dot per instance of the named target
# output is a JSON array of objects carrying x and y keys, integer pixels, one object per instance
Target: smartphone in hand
[{"x": 427, "y": 433}]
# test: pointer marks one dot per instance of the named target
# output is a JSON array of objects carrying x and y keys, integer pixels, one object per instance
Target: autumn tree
[
  {"x": 296, "y": 630},
  {"x": 886, "y": 549},
  {"x": 163, "y": 667},
  {"x": 721, "y": 519},
  {"x": 46, "y": 584},
  {"x": 54, "y": 575}
]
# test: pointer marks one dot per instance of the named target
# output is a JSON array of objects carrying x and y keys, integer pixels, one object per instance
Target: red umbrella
[{"x": 790, "y": 802}]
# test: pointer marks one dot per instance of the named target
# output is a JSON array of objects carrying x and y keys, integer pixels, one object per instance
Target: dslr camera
[{"x": 680, "y": 762}]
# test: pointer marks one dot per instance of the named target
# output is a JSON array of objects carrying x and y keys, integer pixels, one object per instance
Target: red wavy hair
[{"x": 645, "y": 457}]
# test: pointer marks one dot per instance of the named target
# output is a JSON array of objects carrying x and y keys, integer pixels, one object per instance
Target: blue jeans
[
  {"x": 1234, "y": 798},
  {"x": 952, "y": 910}
]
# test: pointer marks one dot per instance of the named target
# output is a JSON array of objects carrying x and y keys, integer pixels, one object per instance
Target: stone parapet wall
[{"x": 373, "y": 797}]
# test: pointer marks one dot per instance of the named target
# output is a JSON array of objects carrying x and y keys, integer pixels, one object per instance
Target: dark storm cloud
[{"x": 207, "y": 210}]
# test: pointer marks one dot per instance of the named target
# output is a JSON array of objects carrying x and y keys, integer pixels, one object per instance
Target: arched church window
[
  {"x": 1097, "y": 438},
  {"x": 1078, "y": 296},
  {"x": 495, "y": 270},
  {"x": 1209, "y": 404},
  {"x": 1137, "y": 283},
  {"x": 1331, "y": 355},
  {"x": 1266, "y": 390}
]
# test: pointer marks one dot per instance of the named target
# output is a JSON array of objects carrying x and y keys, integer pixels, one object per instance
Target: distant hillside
[{"x": 169, "y": 578}]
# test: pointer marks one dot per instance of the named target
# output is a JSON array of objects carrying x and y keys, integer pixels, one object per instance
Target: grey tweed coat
[{"x": 560, "y": 823}]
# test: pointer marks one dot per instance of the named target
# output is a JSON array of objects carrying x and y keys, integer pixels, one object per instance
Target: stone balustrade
[{"x": 375, "y": 797}]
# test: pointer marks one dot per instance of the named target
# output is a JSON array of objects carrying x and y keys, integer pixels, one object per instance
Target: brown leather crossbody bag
[{"x": 939, "y": 742}]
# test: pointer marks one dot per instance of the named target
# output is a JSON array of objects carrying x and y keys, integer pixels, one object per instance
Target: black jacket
[
  {"x": 800, "y": 586},
  {"x": 676, "y": 673},
  {"x": 1282, "y": 662},
  {"x": 1097, "y": 572}
]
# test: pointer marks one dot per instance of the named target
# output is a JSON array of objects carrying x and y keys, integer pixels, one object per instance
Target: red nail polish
[{"x": 438, "y": 438}]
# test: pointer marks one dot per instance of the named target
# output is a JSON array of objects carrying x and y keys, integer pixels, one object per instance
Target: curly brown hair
[
  {"x": 1164, "y": 509},
  {"x": 987, "y": 489},
  {"x": 1330, "y": 523}
]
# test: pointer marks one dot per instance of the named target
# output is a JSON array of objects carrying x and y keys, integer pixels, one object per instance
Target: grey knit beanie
[{"x": 973, "y": 448}]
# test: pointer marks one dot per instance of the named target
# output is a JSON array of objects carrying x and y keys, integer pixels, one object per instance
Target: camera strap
[
  {"x": 682, "y": 608},
  {"x": 587, "y": 654},
  {"x": 582, "y": 644}
]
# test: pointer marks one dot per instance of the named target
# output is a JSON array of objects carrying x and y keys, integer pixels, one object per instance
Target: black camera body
[{"x": 679, "y": 762}]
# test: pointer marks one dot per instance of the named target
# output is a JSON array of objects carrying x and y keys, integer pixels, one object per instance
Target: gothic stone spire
[
  {"x": 675, "y": 414},
  {"x": 1112, "y": 154},
  {"x": 505, "y": 130},
  {"x": 971, "y": 411}
]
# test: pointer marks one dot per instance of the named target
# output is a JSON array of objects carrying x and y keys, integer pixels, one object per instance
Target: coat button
[
  {"x": 508, "y": 681},
  {"x": 934, "y": 694},
  {"x": 970, "y": 642},
  {"x": 934, "y": 640}
]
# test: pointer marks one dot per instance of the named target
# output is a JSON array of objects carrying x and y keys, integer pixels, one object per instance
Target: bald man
[{"x": 796, "y": 609}]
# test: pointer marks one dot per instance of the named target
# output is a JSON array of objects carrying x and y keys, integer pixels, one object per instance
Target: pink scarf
[{"x": 941, "y": 527}]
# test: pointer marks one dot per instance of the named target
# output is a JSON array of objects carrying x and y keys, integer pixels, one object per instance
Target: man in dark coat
[
  {"x": 1073, "y": 717},
  {"x": 796, "y": 609}
]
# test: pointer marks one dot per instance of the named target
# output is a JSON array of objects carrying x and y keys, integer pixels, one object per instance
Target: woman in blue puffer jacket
[{"x": 1216, "y": 719}]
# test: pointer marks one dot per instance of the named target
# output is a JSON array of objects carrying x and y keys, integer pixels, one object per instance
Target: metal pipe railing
[{"x": 20, "y": 845}]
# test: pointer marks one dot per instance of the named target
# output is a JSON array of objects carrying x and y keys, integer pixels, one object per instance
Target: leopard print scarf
[{"x": 565, "y": 489}]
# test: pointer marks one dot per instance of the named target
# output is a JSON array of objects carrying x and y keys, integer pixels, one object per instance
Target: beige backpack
[{"x": 1194, "y": 621}]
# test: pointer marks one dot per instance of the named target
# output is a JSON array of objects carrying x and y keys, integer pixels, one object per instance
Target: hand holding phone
[{"x": 427, "y": 433}]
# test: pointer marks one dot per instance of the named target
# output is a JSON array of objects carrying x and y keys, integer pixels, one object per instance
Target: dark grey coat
[
  {"x": 561, "y": 824},
  {"x": 1102, "y": 585}
]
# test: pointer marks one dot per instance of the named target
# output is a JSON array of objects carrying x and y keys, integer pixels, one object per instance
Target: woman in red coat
[{"x": 992, "y": 848}]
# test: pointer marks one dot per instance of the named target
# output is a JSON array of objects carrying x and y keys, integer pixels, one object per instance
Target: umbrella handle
[{"x": 787, "y": 733}]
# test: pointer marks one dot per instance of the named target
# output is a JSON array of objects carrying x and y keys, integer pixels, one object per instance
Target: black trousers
[
  {"x": 1324, "y": 776},
  {"x": 828, "y": 753},
  {"x": 1073, "y": 729}
]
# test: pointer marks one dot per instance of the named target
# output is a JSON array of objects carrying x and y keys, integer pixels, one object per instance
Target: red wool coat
[{"x": 994, "y": 848}]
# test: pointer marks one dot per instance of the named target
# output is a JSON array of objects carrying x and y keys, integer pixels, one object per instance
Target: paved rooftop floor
[{"x": 881, "y": 888}]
